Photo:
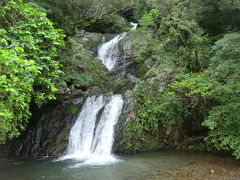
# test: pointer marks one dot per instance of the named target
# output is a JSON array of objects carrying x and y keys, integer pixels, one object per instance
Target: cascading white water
[
  {"x": 134, "y": 25},
  {"x": 103, "y": 139},
  {"x": 91, "y": 137},
  {"x": 108, "y": 52},
  {"x": 82, "y": 132}
]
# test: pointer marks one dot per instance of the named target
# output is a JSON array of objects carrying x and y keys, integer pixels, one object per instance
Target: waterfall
[
  {"x": 108, "y": 52},
  {"x": 82, "y": 132},
  {"x": 91, "y": 137},
  {"x": 134, "y": 25},
  {"x": 103, "y": 139}
]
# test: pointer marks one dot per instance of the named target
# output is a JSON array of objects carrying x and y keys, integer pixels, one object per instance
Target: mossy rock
[
  {"x": 136, "y": 140},
  {"x": 142, "y": 143},
  {"x": 142, "y": 69},
  {"x": 74, "y": 108}
]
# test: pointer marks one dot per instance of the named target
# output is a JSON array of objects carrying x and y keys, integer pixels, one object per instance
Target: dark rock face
[
  {"x": 90, "y": 41},
  {"x": 124, "y": 65},
  {"x": 128, "y": 108},
  {"x": 47, "y": 134}
]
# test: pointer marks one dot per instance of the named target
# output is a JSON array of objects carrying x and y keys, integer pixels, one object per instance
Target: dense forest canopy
[{"x": 196, "y": 42}]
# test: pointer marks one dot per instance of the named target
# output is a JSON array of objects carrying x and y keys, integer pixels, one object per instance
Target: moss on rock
[{"x": 73, "y": 108}]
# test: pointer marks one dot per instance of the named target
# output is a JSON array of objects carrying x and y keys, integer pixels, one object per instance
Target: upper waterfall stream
[{"x": 108, "y": 52}]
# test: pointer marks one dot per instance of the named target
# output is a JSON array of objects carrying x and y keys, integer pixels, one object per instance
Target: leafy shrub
[
  {"x": 28, "y": 68},
  {"x": 224, "y": 120}
]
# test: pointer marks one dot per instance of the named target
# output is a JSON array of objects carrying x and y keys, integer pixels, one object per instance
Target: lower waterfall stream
[
  {"x": 91, "y": 137},
  {"x": 108, "y": 52}
]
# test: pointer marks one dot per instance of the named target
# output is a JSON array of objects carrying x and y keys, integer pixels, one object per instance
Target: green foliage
[
  {"x": 183, "y": 39},
  {"x": 82, "y": 72},
  {"x": 225, "y": 61},
  {"x": 175, "y": 40},
  {"x": 185, "y": 87},
  {"x": 148, "y": 47},
  {"x": 194, "y": 101},
  {"x": 74, "y": 108},
  {"x": 179, "y": 47},
  {"x": 16, "y": 89},
  {"x": 150, "y": 19},
  {"x": 80, "y": 69},
  {"x": 135, "y": 140},
  {"x": 89, "y": 15},
  {"x": 147, "y": 109},
  {"x": 139, "y": 8},
  {"x": 77, "y": 69},
  {"x": 28, "y": 67},
  {"x": 186, "y": 99},
  {"x": 224, "y": 119},
  {"x": 133, "y": 127},
  {"x": 111, "y": 24},
  {"x": 216, "y": 16}
]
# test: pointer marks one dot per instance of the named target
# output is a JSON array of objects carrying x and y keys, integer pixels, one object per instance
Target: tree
[
  {"x": 182, "y": 41},
  {"x": 216, "y": 16},
  {"x": 140, "y": 6},
  {"x": 225, "y": 63},
  {"x": 73, "y": 14},
  {"x": 28, "y": 66},
  {"x": 224, "y": 120}
]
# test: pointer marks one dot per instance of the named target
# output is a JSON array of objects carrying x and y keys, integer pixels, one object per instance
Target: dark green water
[{"x": 131, "y": 167}]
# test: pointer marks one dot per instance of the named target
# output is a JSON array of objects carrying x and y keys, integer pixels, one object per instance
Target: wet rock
[
  {"x": 133, "y": 79},
  {"x": 68, "y": 93},
  {"x": 128, "y": 109},
  {"x": 124, "y": 64},
  {"x": 89, "y": 40},
  {"x": 47, "y": 133}
]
